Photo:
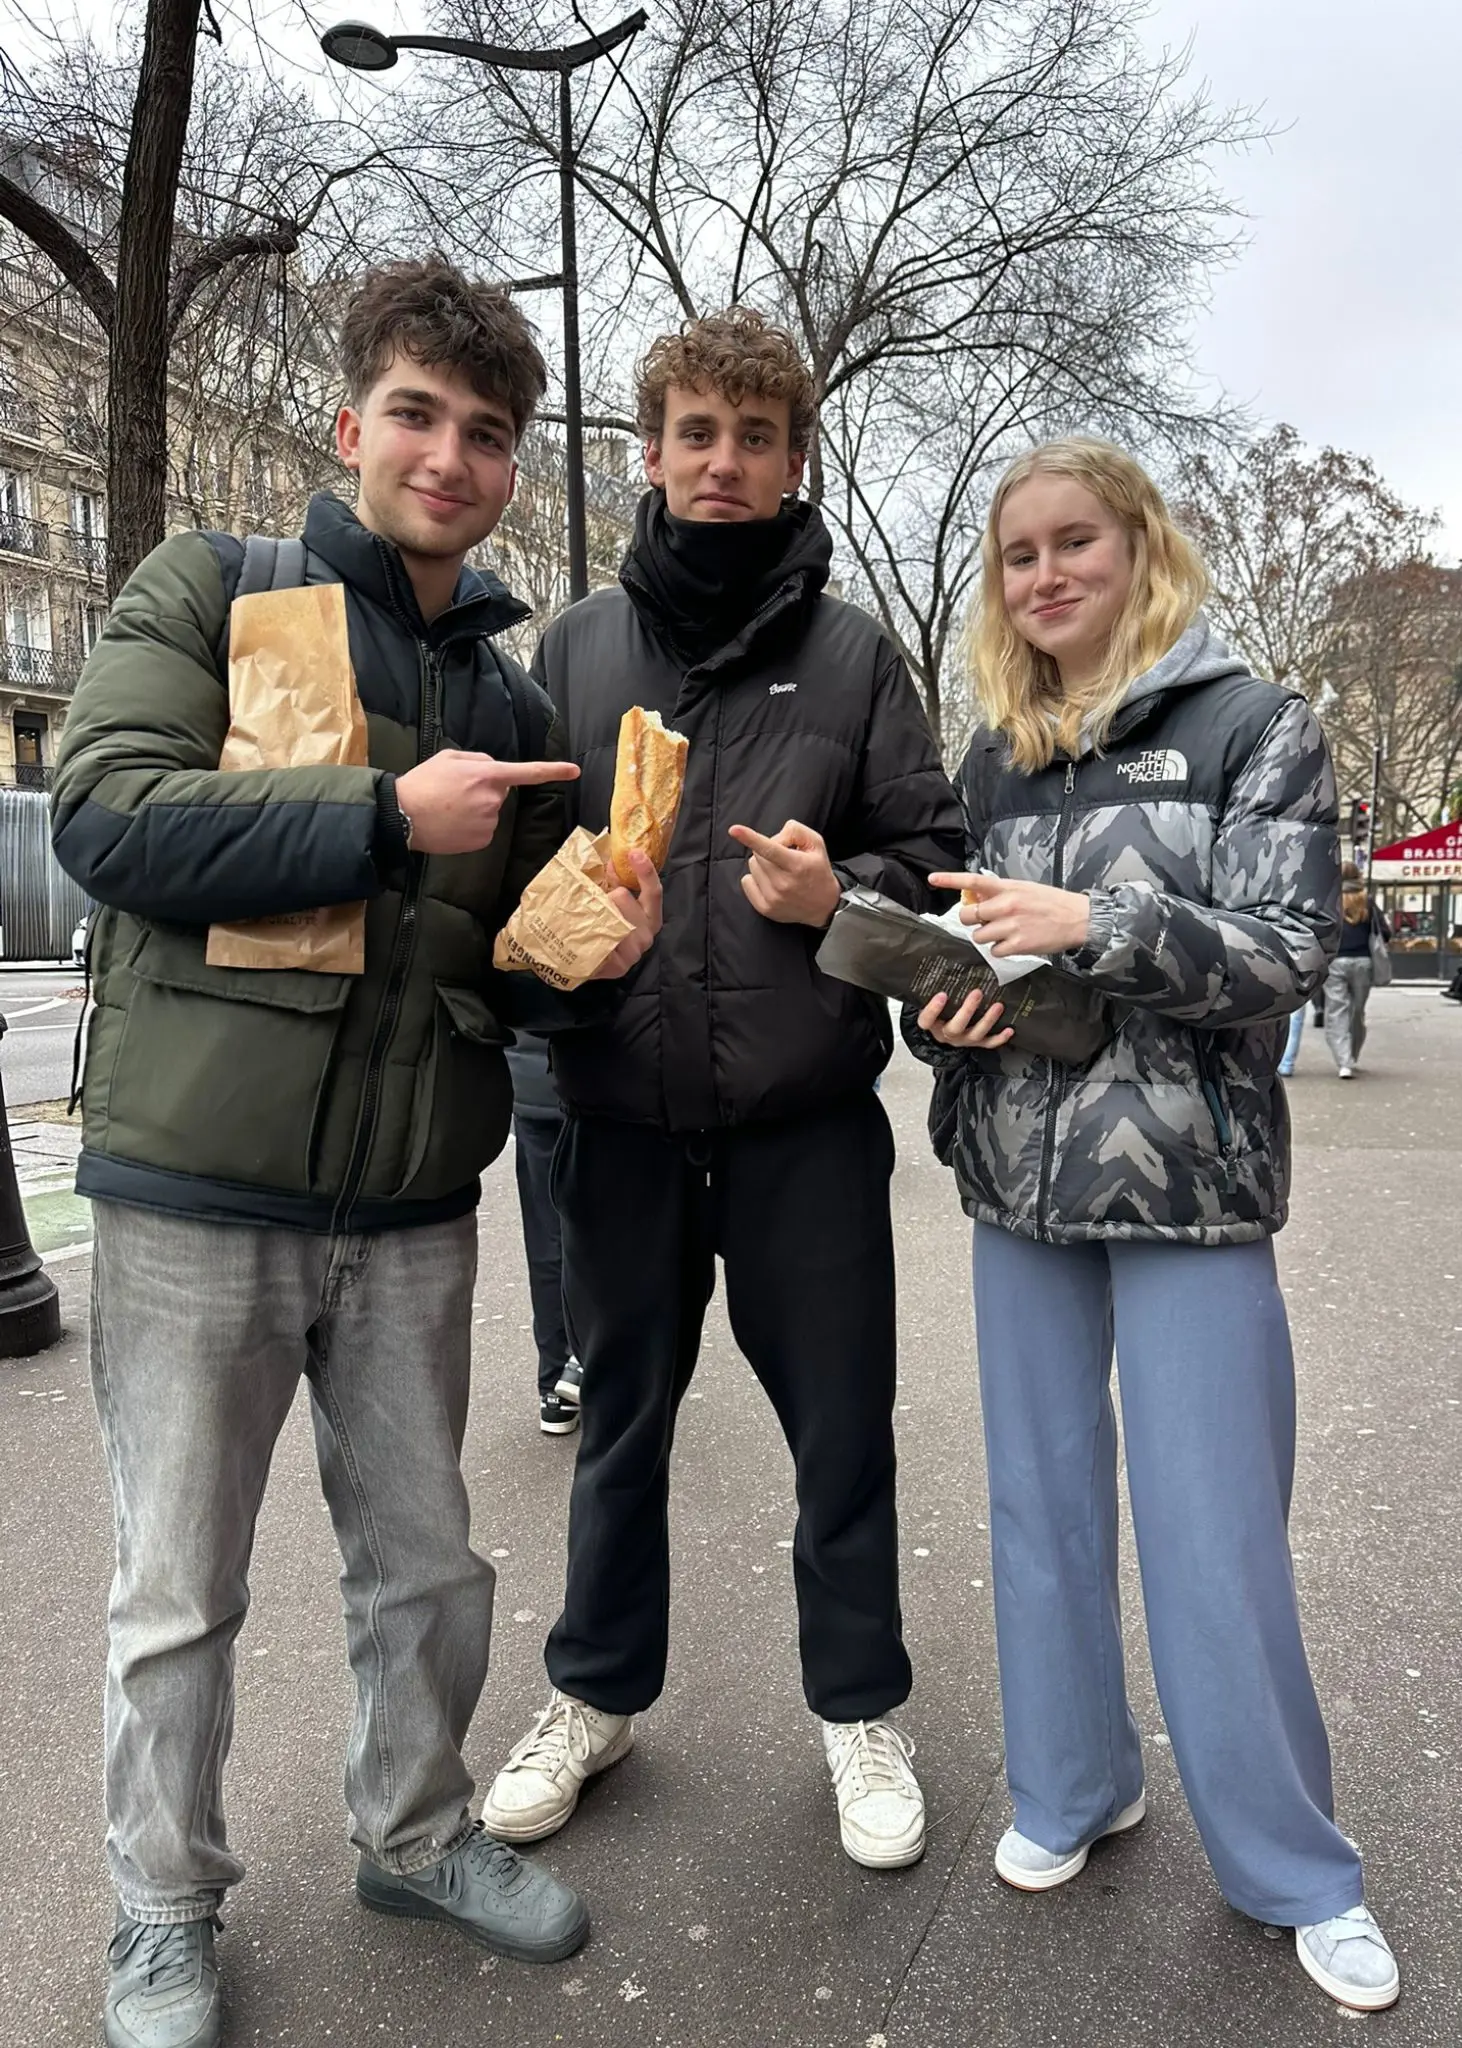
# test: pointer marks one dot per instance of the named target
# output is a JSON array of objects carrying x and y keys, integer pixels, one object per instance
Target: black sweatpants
[
  {"x": 534, "y": 1138},
  {"x": 799, "y": 1213}
]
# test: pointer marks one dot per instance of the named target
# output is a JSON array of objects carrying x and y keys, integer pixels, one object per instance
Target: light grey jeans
[
  {"x": 1347, "y": 987},
  {"x": 200, "y": 1332}
]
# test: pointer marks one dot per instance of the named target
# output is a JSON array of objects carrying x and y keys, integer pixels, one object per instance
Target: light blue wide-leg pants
[{"x": 1207, "y": 1381}]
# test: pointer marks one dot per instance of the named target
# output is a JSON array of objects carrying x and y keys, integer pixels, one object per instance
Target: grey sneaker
[
  {"x": 1351, "y": 1959},
  {"x": 489, "y": 1893},
  {"x": 164, "y": 1987},
  {"x": 1030, "y": 1868}
]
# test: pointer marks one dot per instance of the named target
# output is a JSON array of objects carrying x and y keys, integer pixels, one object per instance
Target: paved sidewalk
[{"x": 725, "y": 1914}]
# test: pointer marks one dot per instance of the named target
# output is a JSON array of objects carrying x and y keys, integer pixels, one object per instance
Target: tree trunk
[{"x": 137, "y": 459}]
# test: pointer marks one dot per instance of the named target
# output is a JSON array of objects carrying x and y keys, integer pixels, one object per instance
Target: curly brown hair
[
  {"x": 443, "y": 319},
  {"x": 737, "y": 354}
]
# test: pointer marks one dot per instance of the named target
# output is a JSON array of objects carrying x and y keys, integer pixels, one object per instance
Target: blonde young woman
[{"x": 1144, "y": 811}]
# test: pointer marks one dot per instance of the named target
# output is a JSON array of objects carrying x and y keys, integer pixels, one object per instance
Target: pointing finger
[
  {"x": 775, "y": 854},
  {"x": 526, "y": 774}
]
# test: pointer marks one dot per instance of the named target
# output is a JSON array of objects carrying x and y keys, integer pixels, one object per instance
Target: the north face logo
[{"x": 1158, "y": 764}]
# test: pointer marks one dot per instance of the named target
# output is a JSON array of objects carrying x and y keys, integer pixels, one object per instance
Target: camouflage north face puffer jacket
[{"x": 1205, "y": 834}]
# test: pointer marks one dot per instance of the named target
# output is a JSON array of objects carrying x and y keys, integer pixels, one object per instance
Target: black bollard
[{"x": 30, "y": 1308}]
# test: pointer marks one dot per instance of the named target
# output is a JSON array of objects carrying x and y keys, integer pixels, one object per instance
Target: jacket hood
[
  {"x": 1197, "y": 656},
  {"x": 373, "y": 566}
]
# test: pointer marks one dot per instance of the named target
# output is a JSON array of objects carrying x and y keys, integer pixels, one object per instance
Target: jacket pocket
[
  {"x": 463, "y": 1100},
  {"x": 1216, "y": 1096},
  {"x": 219, "y": 1072}
]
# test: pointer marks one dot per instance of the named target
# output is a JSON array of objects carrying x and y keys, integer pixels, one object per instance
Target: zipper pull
[{"x": 1070, "y": 777}]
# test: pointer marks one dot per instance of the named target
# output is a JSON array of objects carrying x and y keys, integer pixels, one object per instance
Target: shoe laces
[
  {"x": 1354, "y": 1925},
  {"x": 875, "y": 1755},
  {"x": 560, "y": 1735},
  {"x": 484, "y": 1857},
  {"x": 168, "y": 1949}
]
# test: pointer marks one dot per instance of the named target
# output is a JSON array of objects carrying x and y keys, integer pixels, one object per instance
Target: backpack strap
[
  {"x": 266, "y": 564},
  {"x": 529, "y": 724}
]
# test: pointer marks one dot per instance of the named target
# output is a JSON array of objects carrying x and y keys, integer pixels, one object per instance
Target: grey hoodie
[{"x": 1205, "y": 834}]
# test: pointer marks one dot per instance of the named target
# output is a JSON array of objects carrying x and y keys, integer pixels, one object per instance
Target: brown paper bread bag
[
  {"x": 293, "y": 704},
  {"x": 565, "y": 927}
]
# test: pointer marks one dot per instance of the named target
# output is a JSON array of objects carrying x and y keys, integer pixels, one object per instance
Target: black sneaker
[
  {"x": 570, "y": 1383},
  {"x": 164, "y": 1988},
  {"x": 489, "y": 1893},
  {"x": 557, "y": 1417}
]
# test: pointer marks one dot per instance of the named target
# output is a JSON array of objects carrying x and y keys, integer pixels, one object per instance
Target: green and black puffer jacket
[{"x": 315, "y": 1101}]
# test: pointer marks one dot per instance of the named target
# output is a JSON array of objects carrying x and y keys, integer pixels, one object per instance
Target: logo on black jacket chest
[
  {"x": 1158, "y": 764},
  {"x": 780, "y": 689}
]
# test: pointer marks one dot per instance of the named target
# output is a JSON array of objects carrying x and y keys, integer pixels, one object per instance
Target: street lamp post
[{"x": 362, "y": 48}]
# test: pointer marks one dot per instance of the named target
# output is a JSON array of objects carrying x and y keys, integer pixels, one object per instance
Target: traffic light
[{"x": 1360, "y": 830}]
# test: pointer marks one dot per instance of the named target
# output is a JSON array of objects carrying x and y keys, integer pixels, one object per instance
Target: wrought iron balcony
[
  {"x": 19, "y": 415},
  {"x": 52, "y": 670},
  {"x": 21, "y": 536},
  {"x": 85, "y": 551},
  {"x": 83, "y": 432}
]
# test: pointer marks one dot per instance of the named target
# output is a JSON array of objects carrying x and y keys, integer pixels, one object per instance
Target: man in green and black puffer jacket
[{"x": 284, "y": 1165}]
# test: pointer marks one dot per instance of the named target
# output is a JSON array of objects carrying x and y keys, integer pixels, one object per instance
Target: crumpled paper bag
[
  {"x": 293, "y": 704},
  {"x": 565, "y": 927}
]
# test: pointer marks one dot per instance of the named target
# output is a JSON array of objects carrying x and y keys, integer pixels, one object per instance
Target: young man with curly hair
[
  {"x": 728, "y": 1109},
  {"x": 284, "y": 1165}
]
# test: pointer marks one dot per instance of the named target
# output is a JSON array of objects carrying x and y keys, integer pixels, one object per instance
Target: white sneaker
[
  {"x": 1346, "y": 1072},
  {"x": 1351, "y": 1959},
  {"x": 1030, "y": 1868},
  {"x": 880, "y": 1806},
  {"x": 538, "y": 1787}
]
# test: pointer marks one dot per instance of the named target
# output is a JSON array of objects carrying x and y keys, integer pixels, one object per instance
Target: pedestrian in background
[
  {"x": 537, "y": 1121},
  {"x": 1292, "y": 1044},
  {"x": 1361, "y": 965},
  {"x": 1163, "y": 825}
]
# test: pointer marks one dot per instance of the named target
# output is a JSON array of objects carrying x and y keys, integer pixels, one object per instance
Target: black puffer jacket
[{"x": 809, "y": 713}]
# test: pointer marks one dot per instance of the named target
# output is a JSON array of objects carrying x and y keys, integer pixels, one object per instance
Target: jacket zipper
[
  {"x": 396, "y": 975},
  {"x": 776, "y": 603},
  {"x": 1210, "y": 1082},
  {"x": 1048, "y": 1141}
]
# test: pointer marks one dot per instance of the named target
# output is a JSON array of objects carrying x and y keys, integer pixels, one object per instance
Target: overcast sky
[{"x": 1344, "y": 315}]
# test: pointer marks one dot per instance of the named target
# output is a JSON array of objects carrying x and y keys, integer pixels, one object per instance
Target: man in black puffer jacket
[{"x": 729, "y": 1106}]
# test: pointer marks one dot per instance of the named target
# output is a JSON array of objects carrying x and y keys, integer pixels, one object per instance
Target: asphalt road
[
  {"x": 725, "y": 1914},
  {"x": 40, "y": 1007}
]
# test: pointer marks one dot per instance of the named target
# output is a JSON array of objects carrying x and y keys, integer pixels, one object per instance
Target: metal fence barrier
[{"x": 40, "y": 907}]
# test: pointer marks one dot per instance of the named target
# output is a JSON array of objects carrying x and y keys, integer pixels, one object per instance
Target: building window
[
  {"x": 30, "y": 739},
  {"x": 26, "y": 656},
  {"x": 93, "y": 618},
  {"x": 30, "y": 749},
  {"x": 14, "y": 494},
  {"x": 89, "y": 514}
]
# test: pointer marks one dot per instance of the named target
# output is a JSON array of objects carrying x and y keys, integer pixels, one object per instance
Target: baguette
[{"x": 649, "y": 774}]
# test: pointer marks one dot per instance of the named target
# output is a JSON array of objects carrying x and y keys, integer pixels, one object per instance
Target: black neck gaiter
[{"x": 709, "y": 578}]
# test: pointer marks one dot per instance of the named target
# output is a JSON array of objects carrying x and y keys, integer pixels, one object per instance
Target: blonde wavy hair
[{"x": 1017, "y": 687}]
